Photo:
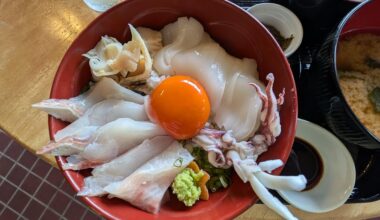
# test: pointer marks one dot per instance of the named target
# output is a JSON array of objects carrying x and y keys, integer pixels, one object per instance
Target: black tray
[{"x": 367, "y": 162}]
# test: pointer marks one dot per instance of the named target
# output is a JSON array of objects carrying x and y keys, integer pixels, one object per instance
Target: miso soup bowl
[
  {"x": 325, "y": 79},
  {"x": 236, "y": 31}
]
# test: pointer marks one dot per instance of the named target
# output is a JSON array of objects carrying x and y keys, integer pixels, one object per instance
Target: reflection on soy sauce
[{"x": 304, "y": 159}]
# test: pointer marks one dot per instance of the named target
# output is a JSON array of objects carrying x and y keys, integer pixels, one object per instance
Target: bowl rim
[
  {"x": 291, "y": 16},
  {"x": 336, "y": 37},
  {"x": 51, "y": 120}
]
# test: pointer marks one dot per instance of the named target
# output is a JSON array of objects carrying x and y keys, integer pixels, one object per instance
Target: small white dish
[
  {"x": 338, "y": 176},
  {"x": 281, "y": 18}
]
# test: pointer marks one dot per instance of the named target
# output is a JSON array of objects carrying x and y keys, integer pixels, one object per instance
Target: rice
[{"x": 358, "y": 62}]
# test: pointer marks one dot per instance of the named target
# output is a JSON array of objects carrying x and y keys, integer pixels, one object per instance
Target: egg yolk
[{"x": 180, "y": 105}]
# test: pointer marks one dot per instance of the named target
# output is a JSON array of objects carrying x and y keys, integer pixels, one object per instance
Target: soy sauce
[{"x": 304, "y": 159}]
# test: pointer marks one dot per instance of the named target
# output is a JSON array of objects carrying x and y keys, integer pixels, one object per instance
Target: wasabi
[{"x": 185, "y": 186}]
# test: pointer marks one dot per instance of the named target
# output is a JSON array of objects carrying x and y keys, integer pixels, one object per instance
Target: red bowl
[{"x": 235, "y": 30}]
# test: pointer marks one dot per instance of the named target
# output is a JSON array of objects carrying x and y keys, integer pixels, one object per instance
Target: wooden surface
[{"x": 34, "y": 35}]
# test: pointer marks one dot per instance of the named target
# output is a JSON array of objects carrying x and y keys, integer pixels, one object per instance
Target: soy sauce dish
[{"x": 327, "y": 165}]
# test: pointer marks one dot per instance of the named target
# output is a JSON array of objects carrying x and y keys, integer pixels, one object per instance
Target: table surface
[{"x": 34, "y": 36}]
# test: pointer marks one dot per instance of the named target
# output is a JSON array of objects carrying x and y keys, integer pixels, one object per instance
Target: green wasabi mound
[{"x": 185, "y": 186}]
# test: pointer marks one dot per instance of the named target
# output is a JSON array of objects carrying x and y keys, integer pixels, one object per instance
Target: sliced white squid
[
  {"x": 122, "y": 166},
  {"x": 212, "y": 67},
  {"x": 108, "y": 141},
  {"x": 203, "y": 64},
  {"x": 294, "y": 183},
  {"x": 248, "y": 170},
  {"x": 270, "y": 165},
  {"x": 269, "y": 200},
  {"x": 242, "y": 117},
  {"x": 70, "y": 145},
  {"x": 64, "y": 109},
  {"x": 103, "y": 113},
  {"x": 248, "y": 167},
  {"x": 117, "y": 137},
  {"x": 77, "y": 162},
  {"x": 71, "y": 109},
  {"x": 183, "y": 34},
  {"x": 146, "y": 187}
]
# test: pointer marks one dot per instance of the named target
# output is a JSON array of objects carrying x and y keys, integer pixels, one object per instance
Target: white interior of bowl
[{"x": 281, "y": 18}]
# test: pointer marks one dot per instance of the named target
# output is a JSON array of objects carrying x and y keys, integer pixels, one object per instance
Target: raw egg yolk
[{"x": 180, "y": 105}]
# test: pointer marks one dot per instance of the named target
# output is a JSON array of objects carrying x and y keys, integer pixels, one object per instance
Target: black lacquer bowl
[{"x": 338, "y": 114}]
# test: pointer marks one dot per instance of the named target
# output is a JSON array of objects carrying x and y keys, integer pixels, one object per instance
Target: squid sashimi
[
  {"x": 119, "y": 136},
  {"x": 270, "y": 119},
  {"x": 145, "y": 188},
  {"x": 249, "y": 171},
  {"x": 212, "y": 67},
  {"x": 70, "y": 145},
  {"x": 103, "y": 113},
  {"x": 183, "y": 34},
  {"x": 242, "y": 118},
  {"x": 71, "y": 109},
  {"x": 201, "y": 64},
  {"x": 122, "y": 166},
  {"x": 108, "y": 141}
]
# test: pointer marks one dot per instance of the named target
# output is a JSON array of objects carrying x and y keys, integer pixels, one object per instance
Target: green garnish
[
  {"x": 374, "y": 97},
  {"x": 223, "y": 181},
  {"x": 219, "y": 178},
  {"x": 178, "y": 162}
]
